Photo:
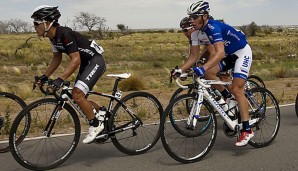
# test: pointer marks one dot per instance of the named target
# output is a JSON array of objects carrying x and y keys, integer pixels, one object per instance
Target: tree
[
  {"x": 89, "y": 20},
  {"x": 124, "y": 29},
  {"x": 3, "y": 27},
  {"x": 252, "y": 29},
  {"x": 17, "y": 25}
]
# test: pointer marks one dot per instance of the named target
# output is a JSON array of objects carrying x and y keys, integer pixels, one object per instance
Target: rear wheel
[
  {"x": 140, "y": 132},
  {"x": 257, "y": 79},
  {"x": 10, "y": 106},
  {"x": 264, "y": 107}
]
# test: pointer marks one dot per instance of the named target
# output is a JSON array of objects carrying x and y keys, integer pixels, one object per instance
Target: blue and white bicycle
[{"x": 189, "y": 124}]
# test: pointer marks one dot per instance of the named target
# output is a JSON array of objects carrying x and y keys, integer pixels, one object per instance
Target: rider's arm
[
  {"x": 74, "y": 64},
  {"x": 193, "y": 56},
  {"x": 217, "y": 52},
  {"x": 56, "y": 60}
]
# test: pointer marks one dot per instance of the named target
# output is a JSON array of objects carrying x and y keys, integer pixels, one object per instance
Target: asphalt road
[{"x": 282, "y": 154}]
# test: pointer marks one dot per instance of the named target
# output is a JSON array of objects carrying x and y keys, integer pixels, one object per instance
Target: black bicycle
[
  {"x": 10, "y": 106},
  {"x": 54, "y": 130}
]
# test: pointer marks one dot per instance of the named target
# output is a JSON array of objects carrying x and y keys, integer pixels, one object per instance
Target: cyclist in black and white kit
[{"x": 82, "y": 52}]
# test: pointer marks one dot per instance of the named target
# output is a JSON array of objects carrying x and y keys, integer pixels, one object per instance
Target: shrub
[
  {"x": 134, "y": 83},
  {"x": 280, "y": 72}
]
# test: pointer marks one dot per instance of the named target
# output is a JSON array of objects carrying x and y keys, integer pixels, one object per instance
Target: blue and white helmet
[{"x": 200, "y": 8}]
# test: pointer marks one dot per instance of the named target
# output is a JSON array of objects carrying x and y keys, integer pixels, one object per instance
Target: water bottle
[
  {"x": 223, "y": 104},
  {"x": 220, "y": 100},
  {"x": 232, "y": 106},
  {"x": 100, "y": 115}
]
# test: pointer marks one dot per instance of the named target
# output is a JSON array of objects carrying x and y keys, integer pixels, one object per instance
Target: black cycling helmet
[
  {"x": 47, "y": 13},
  {"x": 185, "y": 23}
]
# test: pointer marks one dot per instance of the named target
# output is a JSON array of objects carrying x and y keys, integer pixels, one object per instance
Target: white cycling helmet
[{"x": 200, "y": 8}]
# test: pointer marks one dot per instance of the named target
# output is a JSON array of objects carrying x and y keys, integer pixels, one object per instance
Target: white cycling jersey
[{"x": 199, "y": 38}]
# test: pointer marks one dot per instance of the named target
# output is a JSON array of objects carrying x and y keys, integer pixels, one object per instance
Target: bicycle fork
[
  {"x": 55, "y": 115},
  {"x": 195, "y": 111}
]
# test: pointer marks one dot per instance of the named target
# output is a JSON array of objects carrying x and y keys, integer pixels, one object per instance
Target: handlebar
[
  {"x": 198, "y": 80},
  {"x": 49, "y": 90}
]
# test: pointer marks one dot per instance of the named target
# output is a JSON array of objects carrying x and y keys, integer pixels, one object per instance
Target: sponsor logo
[
  {"x": 60, "y": 47},
  {"x": 227, "y": 43},
  {"x": 229, "y": 33},
  {"x": 245, "y": 61},
  {"x": 88, "y": 51},
  {"x": 210, "y": 26},
  {"x": 92, "y": 72}
]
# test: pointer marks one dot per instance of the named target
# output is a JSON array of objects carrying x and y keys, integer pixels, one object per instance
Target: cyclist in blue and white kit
[
  {"x": 231, "y": 50},
  {"x": 198, "y": 38}
]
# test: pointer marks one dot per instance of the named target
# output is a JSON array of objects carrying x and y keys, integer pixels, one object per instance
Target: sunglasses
[
  {"x": 194, "y": 16},
  {"x": 36, "y": 23},
  {"x": 186, "y": 29}
]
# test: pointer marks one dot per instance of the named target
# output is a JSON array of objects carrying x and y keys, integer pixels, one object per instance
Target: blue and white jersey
[{"x": 220, "y": 32}]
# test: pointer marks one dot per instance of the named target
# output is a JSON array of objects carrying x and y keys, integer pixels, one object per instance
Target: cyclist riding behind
[
  {"x": 229, "y": 42},
  {"x": 82, "y": 52}
]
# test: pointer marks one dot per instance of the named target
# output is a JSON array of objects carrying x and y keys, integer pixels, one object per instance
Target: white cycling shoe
[{"x": 93, "y": 132}]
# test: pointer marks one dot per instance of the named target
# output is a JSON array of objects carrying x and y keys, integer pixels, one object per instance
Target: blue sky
[{"x": 143, "y": 14}]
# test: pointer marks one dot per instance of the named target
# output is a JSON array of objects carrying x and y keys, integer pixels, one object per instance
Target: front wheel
[
  {"x": 136, "y": 123},
  {"x": 49, "y": 139},
  {"x": 183, "y": 143}
]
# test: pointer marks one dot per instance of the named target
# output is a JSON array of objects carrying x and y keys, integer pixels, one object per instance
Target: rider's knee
[{"x": 77, "y": 95}]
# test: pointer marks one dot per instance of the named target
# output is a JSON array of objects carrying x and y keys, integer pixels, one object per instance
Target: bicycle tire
[
  {"x": 267, "y": 110},
  {"x": 194, "y": 144},
  {"x": 296, "y": 105},
  {"x": 141, "y": 139},
  {"x": 10, "y": 106},
  {"x": 258, "y": 80},
  {"x": 38, "y": 151},
  {"x": 251, "y": 84},
  {"x": 180, "y": 90}
]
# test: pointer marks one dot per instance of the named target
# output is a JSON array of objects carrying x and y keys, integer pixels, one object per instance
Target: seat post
[{"x": 116, "y": 86}]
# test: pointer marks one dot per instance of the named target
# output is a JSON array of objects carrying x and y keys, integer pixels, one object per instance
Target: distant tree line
[{"x": 96, "y": 27}]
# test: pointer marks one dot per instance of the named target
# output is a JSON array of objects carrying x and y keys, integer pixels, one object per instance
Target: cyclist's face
[
  {"x": 187, "y": 31},
  {"x": 197, "y": 21},
  {"x": 39, "y": 27}
]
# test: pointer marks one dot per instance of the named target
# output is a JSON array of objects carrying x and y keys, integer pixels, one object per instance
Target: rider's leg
[
  {"x": 241, "y": 71},
  {"x": 211, "y": 74},
  {"x": 80, "y": 98},
  {"x": 238, "y": 92},
  {"x": 88, "y": 75}
]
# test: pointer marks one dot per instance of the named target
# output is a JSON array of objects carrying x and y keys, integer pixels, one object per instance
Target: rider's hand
[
  {"x": 177, "y": 72},
  {"x": 200, "y": 71},
  {"x": 42, "y": 79},
  {"x": 57, "y": 83}
]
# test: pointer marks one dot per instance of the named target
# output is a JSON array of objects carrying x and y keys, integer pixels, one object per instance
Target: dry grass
[{"x": 147, "y": 56}]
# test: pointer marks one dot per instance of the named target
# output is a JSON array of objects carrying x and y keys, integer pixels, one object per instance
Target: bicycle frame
[
  {"x": 202, "y": 93},
  {"x": 116, "y": 95}
]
